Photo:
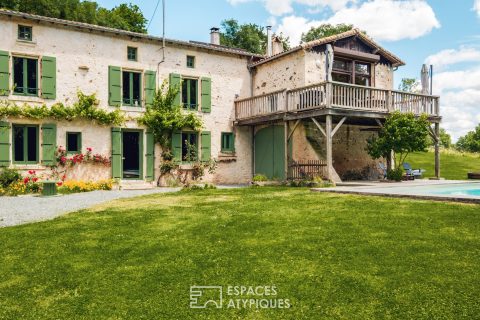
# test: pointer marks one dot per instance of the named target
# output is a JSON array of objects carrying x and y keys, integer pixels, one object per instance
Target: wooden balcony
[{"x": 333, "y": 98}]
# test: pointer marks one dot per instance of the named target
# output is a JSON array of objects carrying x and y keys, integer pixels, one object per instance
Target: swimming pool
[{"x": 436, "y": 190}]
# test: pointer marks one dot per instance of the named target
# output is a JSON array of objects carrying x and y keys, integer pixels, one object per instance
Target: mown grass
[
  {"x": 454, "y": 165},
  {"x": 334, "y": 256}
]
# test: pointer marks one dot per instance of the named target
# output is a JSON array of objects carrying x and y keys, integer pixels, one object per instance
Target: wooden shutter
[
  {"x": 150, "y": 86},
  {"x": 177, "y": 146},
  {"x": 206, "y": 95},
  {"x": 4, "y": 144},
  {"x": 206, "y": 142},
  {"x": 150, "y": 156},
  {"x": 116, "y": 153},
  {"x": 49, "y": 143},
  {"x": 175, "y": 81},
  {"x": 49, "y": 78},
  {"x": 114, "y": 86},
  {"x": 4, "y": 73}
]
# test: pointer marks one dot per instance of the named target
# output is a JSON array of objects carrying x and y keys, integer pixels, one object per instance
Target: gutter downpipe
[{"x": 163, "y": 43}]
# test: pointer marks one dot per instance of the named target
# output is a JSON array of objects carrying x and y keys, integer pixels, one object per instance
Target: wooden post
[
  {"x": 286, "y": 150},
  {"x": 437, "y": 150},
  {"x": 328, "y": 132}
]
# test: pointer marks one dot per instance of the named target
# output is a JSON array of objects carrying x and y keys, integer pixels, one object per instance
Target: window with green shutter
[
  {"x": 74, "y": 142},
  {"x": 4, "y": 144},
  {"x": 49, "y": 78},
  {"x": 227, "y": 143},
  {"x": 190, "y": 94},
  {"x": 189, "y": 146},
  {"x": 177, "y": 146},
  {"x": 49, "y": 143},
  {"x": 25, "y": 144},
  {"x": 206, "y": 95},
  {"x": 132, "y": 53},
  {"x": 150, "y": 86},
  {"x": 25, "y": 33},
  {"x": 4, "y": 73},
  {"x": 114, "y": 86},
  {"x": 131, "y": 89},
  {"x": 116, "y": 153},
  {"x": 25, "y": 76},
  {"x": 205, "y": 144}
]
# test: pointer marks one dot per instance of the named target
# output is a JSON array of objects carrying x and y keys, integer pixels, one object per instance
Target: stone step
[{"x": 136, "y": 185}]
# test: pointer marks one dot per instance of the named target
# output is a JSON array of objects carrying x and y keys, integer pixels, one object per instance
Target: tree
[
  {"x": 249, "y": 36},
  {"x": 470, "y": 142},
  {"x": 410, "y": 85},
  {"x": 402, "y": 133},
  {"x": 125, "y": 16},
  {"x": 325, "y": 30}
]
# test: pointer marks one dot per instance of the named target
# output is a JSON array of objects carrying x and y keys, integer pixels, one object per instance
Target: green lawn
[
  {"x": 333, "y": 256},
  {"x": 454, "y": 165}
]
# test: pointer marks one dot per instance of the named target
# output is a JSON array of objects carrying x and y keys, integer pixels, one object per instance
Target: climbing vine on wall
[
  {"x": 165, "y": 116},
  {"x": 86, "y": 108}
]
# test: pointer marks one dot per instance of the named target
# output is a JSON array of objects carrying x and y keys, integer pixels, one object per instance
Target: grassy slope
[
  {"x": 333, "y": 256},
  {"x": 454, "y": 165}
]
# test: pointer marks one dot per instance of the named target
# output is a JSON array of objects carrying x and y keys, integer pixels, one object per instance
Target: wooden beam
[
  {"x": 329, "y": 147},
  {"x": 338, "y": 126},
  {"x": 380, "y": 124},
  {"x": 432, "y": 134},
  {"x": 293, "y": 129},
  {"x": 286, "y": 150},
  {"x": 437, "y": 151},
  {"x": 319, "y": 127}
]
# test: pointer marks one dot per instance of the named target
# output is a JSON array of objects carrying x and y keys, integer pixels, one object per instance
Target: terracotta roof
[
  {"x": 354, "y": 32},
  {"x": 118, "y": 32}
]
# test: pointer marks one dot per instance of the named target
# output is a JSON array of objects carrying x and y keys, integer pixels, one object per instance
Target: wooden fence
[{"x": 307, "y": 169}]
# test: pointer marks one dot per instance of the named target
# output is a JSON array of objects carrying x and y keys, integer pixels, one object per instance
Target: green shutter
[
  {"x": 150, "y": 155},
  {"x": 177, "y": 146},
  {"x": 49, "y": 78},
  {"x": 206, "y": 95},
  {"x": 206, "y": 142},
  {"x": 175, "y": 81},
  {"x": 4, "y": 144},
  {"x": 4, "y": 73},
  {"x": 150, "y": 86},
  {"x": 116, "y": 153},
  {"x": 114, "y": 86},
  {"x": 49, "y": 144}
]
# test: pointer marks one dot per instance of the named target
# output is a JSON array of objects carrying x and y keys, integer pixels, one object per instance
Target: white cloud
[
  {"x": 282, "y": 7},
  {"x": 476, "y": 6},
  {"x": 388, "y": 20},
  {"x": 449, "y": 57}
]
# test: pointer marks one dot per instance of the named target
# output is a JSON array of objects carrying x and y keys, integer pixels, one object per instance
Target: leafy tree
[
  {"x": 470, "y": 142},
  {"x": 409, "y": 85},
  {"x": 403, "y": 133},
  {"x": 325, "y": 30},
  {"x": 249, "y": 36},
  {"x": 125, "y": 16}
]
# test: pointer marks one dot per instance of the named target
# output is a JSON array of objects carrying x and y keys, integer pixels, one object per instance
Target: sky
[{"x": 445, "y": 33}]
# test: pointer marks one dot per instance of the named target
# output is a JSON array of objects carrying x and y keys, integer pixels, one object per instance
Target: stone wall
[
  {"x": 83, "y": 59},
  {"x": 383, "y": 77}
]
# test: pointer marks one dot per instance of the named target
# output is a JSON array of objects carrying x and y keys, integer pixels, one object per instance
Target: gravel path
[{"x": 26, "y": 209}]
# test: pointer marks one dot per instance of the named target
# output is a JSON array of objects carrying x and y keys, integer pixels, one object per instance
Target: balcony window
[
  {"x": 190, "y": 94},
  {"x": 351, "y": 71},
  {"x": 131, "y": 89},
  {"x": 25, "y": 79}
]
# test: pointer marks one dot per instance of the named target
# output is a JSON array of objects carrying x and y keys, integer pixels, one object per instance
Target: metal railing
[{"x": 336, "y": 95}]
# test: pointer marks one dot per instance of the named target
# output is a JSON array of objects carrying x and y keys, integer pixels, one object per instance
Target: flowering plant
[
  {"x": 65, "y": 161},
  {"x": 31, "y": 182}
]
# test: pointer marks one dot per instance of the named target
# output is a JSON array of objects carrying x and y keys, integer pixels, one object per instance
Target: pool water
[{"x": 457, "y": 189}]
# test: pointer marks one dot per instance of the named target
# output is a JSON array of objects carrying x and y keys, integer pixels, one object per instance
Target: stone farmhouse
[{"x": 285, "y": 114}]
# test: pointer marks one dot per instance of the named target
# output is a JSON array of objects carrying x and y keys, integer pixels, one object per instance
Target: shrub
[
  {"x": 260, "y": 178},
  {"x": 74, "y": 186},
  {"x": 16, "y": 188},
  {"x": 9, "y": 176},
  {"x": 395, "y": 174}
]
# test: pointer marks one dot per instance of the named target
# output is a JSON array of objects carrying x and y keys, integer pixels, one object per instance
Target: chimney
[
  {"x": 277, "y": 45},
  {"x": 215, "y": 36},
  {"x": 269, "y": 41}
]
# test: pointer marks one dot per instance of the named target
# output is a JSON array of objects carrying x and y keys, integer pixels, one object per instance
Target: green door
[{"x": 270, "y": 152}]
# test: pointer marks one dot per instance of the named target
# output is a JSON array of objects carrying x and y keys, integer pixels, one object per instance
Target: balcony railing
[{"x": 336, "y": 95}]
